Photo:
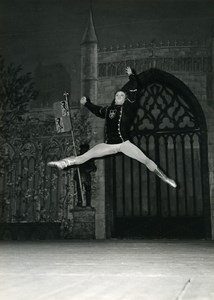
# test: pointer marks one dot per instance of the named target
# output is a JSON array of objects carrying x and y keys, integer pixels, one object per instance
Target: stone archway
[{"x": 171, "y": 128}]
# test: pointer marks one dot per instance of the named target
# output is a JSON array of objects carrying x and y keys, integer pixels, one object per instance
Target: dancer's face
[{"x": 120, "y": 98}]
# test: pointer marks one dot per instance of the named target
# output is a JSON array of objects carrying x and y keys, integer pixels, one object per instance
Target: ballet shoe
[
  {"x": 63, "y": 163},
  {"x": 166, "y": 179},
  {"x": 171, "y": 182}
]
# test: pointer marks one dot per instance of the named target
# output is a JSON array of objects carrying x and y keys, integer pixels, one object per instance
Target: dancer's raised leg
[
  {"x": 133, "y": 151},
  {"x": 97, "y": 151}
]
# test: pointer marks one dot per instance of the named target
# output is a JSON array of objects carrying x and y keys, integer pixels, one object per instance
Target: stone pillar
[
  {"x": 84, "y": 223},
  {"x": 212, "y": 69},
  {"x": 210, "y": 140}
]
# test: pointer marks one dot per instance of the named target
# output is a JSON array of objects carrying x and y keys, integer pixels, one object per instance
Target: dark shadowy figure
[{"x": 85, "y": 173}]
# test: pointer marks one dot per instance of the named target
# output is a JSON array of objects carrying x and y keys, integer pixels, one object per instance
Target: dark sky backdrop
[{"x": 36, "y": 32}]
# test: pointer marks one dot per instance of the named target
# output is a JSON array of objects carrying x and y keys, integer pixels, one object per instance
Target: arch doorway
[{"x": 170, "y": 128}]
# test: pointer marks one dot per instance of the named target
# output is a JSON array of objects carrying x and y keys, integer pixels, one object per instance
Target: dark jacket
[{"x": 118, "y": 118}]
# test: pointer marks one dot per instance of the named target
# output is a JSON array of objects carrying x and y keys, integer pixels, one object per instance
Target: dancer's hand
[
  {"x": 83, "y": 100},
  {"x": 129, "y": 70}
]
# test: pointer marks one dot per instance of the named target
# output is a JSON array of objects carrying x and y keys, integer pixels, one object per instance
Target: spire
[{"x": 89, "y": 35}]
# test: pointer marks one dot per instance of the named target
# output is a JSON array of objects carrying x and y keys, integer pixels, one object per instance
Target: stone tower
[
  {"x": 89, "y": 61},
  {"x": 89, "y": 88}
]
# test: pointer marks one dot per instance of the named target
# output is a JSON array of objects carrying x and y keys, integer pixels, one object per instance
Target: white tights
[{"x": 126, "y": 147}]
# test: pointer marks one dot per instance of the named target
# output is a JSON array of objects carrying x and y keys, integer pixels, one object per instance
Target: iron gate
[
  {"x": 31, "y": 193},
  {"x": 170, "y": 128}
]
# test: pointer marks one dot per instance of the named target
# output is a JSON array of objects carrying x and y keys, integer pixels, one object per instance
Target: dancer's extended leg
[
  {"x": 99, "y": 150},
  {"x": 133, "y": 151}
]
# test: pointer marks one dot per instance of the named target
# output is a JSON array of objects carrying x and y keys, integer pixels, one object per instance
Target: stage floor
[{"x": 110, "y": 269}]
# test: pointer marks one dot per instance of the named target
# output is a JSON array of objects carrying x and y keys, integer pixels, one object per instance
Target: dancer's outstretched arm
[{"x": 99, "y": 111}]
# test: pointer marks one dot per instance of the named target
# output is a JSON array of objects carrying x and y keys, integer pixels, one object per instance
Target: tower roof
[{"x": 89, "y": 35}]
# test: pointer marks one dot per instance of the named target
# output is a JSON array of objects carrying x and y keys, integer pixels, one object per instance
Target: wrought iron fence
[{"x": 30, "y": 191}]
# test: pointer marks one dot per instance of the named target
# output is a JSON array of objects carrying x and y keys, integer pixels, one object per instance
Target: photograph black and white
[{"x": 107, "y": 149}]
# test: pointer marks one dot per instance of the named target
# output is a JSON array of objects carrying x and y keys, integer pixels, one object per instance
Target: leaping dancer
[{"x": 118, "y": 119}]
